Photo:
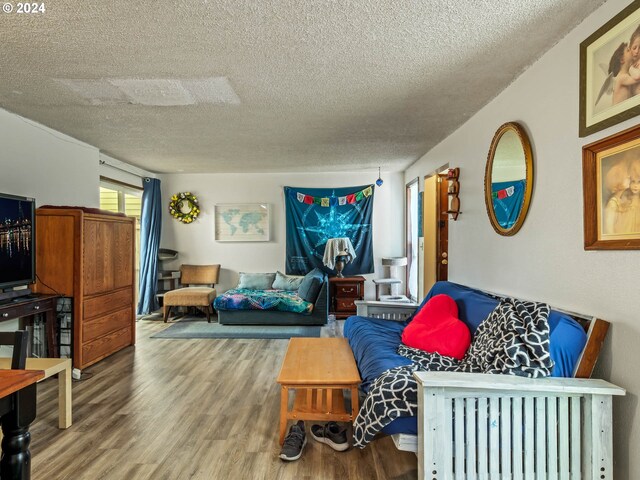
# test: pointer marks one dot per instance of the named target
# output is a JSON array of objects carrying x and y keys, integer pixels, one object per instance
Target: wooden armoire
[{"x": 89, "y": 255}]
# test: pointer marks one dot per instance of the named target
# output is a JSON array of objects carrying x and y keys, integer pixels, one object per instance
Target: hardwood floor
[{"x": 188, "y": 409}]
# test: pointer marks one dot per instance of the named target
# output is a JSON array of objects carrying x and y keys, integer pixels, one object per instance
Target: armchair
[{"x": 200, "y": 296}]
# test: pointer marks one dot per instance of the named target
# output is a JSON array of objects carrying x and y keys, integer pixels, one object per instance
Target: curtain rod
[{"x": 102, "y": 162}]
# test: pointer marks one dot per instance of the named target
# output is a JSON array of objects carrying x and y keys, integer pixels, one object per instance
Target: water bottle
[{"x": 331, "y": 325}]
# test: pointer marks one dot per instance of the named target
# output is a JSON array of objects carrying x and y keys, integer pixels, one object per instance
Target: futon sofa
[
  {"x": 272, "y": 303},
  {"x": 466, "y": 422}
]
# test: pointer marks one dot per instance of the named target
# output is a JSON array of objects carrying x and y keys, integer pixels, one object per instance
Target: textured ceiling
[{"x": 322, "y": 85}]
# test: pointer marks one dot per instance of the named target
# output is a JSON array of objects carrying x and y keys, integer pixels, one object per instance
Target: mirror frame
[{"x": 528, "y": 158}]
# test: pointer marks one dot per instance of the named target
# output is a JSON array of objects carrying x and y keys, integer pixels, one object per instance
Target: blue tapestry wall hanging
[
  {"x": 314, "y": 215},
  {"x": 508, "y": 198}
]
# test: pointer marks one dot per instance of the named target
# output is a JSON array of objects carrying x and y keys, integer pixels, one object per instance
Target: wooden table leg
[
  {"x": 50, "y": 326},
  {"x": 16, "y": 457},
  {"x": 355, "y": 402},
  {"x": 284, "y": 406},
  {"x": 64, "y": 397}
]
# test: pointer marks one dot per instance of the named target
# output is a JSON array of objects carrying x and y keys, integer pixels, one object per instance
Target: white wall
[
  {"x": 546, "y": 260},
  {"x": 196, "y": 243},
  {"x": 47, "y": 165}
]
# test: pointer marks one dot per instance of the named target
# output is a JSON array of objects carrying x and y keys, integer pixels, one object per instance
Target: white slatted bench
[{"x": 477, "y": 426}]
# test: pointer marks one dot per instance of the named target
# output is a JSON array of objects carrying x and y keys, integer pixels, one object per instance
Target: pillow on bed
[
  {"x": 287, "y": 282},
  {"x": 256, "y": 281},
  {"x": 311, "y": 285},
  {"x": 437, "y": 328}
]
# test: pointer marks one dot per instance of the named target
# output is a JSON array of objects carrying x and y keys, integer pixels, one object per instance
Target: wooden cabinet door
[
  {"x": 123, "y": 254},
  {"x": 99, "y": 249},
  {"x": 55, "y": 256}
]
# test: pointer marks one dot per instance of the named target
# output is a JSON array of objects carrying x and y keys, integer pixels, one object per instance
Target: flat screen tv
[{"x": 17, "y": 241}]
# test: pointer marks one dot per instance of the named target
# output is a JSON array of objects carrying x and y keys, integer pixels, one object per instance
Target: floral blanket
[{"x": 245, "y": 299}]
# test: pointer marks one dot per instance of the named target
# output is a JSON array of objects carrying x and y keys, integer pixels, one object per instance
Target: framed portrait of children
[
  {"x": 610, "y": 72},
  {"x": 611, "y": 189}
]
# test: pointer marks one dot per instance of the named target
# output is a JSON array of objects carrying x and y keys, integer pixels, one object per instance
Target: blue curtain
[
  {"x": 150, "y": 223},
  {"x": 309, "y": 226}
]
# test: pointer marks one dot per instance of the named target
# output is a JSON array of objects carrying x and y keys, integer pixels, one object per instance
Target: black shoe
[
  {"x": 294, "y": 442},
  {"x": 332, "y": 434}
]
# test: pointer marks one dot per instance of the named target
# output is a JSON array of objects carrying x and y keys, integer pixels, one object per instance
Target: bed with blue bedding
[{"x": 375, "y": 342}]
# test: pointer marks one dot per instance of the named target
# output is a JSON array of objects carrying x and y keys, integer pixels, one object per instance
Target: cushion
[
  {"x": 311, "y": 285},
  {"x": 256, "y": 281},
  {"x": 190, "y": 297},
  {"x": 287, "y": 282},
  {"x": 437, "y": 328},
  {"x": 566, "y": 342}
]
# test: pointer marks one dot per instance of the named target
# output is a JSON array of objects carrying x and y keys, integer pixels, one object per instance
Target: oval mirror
[{"x": 508, "y": 179}]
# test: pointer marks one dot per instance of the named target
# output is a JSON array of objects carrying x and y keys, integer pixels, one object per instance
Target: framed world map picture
[{"x": 242, "y": 222}]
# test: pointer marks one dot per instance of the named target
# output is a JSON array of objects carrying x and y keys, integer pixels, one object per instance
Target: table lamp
[{"x": 337, "y": 253}]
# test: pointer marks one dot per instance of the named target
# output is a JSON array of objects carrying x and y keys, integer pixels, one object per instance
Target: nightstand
[{"x": 343, "y": 292}]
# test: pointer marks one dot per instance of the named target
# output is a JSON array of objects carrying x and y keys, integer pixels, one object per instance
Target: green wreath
[{"x": 176, "y": 204}]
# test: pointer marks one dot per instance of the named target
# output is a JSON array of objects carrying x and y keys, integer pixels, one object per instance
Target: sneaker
[
  {"x": 332, "y": 434},
  {"x": 294, "y": 442}
]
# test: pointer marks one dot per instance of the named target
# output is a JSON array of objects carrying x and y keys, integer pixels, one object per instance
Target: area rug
[{"x": 199, "y": 328}]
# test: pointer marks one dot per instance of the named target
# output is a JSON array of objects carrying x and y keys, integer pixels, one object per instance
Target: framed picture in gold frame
[
  {"x": 611, "y": 190},
  {"x": 610, "y": 72}
]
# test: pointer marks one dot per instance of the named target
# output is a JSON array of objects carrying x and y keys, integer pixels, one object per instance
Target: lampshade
[
  {"x": 394, "y": 261},
  {"x": 336, "y": 247}
]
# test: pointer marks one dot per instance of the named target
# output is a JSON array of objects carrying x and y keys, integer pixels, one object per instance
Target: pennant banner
[
  {"x": 333, "y": 200},
  {"x": 315, "y": 215},
  {"x": 507, "y": 199}
]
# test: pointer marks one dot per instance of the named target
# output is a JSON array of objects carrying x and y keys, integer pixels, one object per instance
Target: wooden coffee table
[{"x": 318, "y": 370}]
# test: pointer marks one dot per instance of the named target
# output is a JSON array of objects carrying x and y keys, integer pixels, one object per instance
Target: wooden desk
[
  {"x": 318, "y": 370},
  {"x": 27, "y": 307},
  {"x": 17, "y": 411}
]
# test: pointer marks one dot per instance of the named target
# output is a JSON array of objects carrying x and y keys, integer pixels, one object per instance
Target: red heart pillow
[{"x": 436, "y": 328}]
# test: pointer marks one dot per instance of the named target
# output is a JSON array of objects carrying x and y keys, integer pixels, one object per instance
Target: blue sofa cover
[{"x": 375, "y": 342}]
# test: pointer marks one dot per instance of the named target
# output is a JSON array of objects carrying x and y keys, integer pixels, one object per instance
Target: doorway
[{"x": 435, "y": 228}]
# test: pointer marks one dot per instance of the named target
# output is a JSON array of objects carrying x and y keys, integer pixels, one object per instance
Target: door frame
[
  {"x": 442, "y": 244},
  {"x": 407, "y": 231}
]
